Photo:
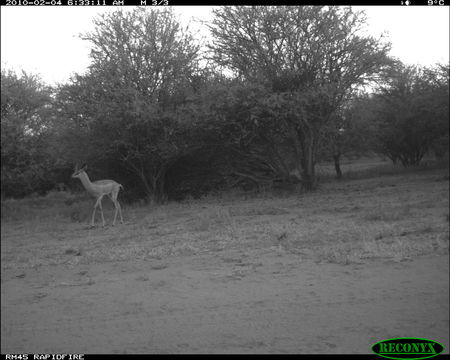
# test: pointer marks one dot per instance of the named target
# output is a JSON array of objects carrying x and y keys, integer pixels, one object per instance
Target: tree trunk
[
  {"x": 337, "y": 165},
  {"x": 307, "y": 160},
  {"x": 159, "y": 193},
  {"x": 139, "y": 171},
  {"x": 309, "y": 181},
  {"x": 147, "y": 188}
]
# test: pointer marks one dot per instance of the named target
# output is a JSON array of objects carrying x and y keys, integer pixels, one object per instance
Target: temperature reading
[{"x": 436, "y": 2}]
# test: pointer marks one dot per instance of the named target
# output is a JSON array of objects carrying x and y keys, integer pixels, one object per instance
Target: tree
[
  {"x": 129, "y": 104},
  {"x": 436, "y": 88},
  {"x": 351, "y": 133},
  {"x": 412, "y": 113},
  {"x": 26, "y": 128},
  {"x": 310, "y": 59}
]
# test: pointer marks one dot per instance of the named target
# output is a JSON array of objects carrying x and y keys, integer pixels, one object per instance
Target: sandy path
[{"x": 241, "y": 302}]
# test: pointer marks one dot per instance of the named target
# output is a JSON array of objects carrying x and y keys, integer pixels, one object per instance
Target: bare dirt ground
[
  {"x": 251, "y": 302},
  {"x": 328, "y": 272}
]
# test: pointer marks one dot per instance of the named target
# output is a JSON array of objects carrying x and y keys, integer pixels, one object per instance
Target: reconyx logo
[{"x": 407, "y": 348}]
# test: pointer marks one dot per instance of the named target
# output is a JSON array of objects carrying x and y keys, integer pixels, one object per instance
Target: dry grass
[{"x": 391, "y": 216}]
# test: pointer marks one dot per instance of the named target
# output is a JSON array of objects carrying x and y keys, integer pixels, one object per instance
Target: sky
[{"x": 45, "y": 40}]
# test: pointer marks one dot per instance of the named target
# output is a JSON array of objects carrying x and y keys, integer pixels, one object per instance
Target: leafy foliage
[
  {"x": 412, "y": 113},
  {"x": 309, "y": 58},
  {"x": 275, "y": 93},
  {"x": 27, "y": 163},
  {"x": 129, "y": 105}
]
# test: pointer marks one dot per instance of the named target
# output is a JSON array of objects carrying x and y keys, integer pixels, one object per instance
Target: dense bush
[{"x": 270, "y": 102}]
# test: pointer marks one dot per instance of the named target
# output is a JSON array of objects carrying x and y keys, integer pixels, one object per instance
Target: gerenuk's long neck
[{"x": 85, "y": 181}]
